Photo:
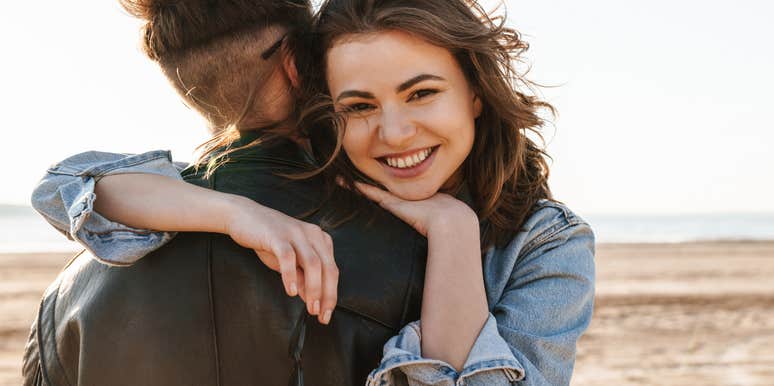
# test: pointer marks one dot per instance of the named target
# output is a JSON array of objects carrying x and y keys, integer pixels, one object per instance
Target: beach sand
[{"x": 666, "y": 314}]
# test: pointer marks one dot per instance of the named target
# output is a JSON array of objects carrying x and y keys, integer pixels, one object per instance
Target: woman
[{"x": 432, "y": 114}]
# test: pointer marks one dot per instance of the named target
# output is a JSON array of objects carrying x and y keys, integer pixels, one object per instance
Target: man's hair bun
[{"x": 174, "y": 25}]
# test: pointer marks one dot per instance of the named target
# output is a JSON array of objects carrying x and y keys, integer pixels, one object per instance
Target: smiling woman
[
  {"x": 433, "y": 127},
  {"x": 436, "y": 80},
  {"x": 411, "y": 127}
]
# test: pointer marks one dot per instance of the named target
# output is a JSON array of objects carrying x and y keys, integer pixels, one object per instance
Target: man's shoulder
[
  {"x": 273, "y": 159},
  {"x": 85, "y": 282},
  {"x": 269, "y": 174},
  {"x": 90, "y": 307}
]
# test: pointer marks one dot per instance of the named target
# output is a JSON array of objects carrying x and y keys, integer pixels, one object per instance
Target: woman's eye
[
  {"x": 359, "y": 107},
  {"x": 419, "y": 94}
]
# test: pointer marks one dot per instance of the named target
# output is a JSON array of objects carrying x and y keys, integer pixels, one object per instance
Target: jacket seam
[
  {"x": 138, "y": 232},
  {"x": 102, "y": 260},
  {"x": 55, "y": 297},
  {"x": 409, "y": 287},
  {"x": 57, "y": 169},
  {"x": 41, "y": 347},
  {"x": 141, "y": 160},
  {"x": 212, "y": 311},
  {"x": 402, "y": 360},
  {"x": 111, "y": 263},
  {"x": 213, "y": 321},
  {"x": 550, "y": 233},
  {"x": 346, "y": 308},
  {"x": 505, "y": 366}
]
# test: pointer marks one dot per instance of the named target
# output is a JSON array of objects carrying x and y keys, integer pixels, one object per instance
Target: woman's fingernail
[
  {"x": 327, "y": 317},
  {"x": 316, "y": 307},
  {"x": 293, "y": 289}
]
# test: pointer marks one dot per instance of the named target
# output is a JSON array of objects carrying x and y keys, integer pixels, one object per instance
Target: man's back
[{"x": 203, "y": 310}]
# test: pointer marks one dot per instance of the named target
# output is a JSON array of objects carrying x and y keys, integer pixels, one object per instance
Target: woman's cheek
[{"x": 355, "y": 141}]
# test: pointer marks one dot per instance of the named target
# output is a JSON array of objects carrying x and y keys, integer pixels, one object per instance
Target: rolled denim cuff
[
  {"x": 110, "y": 242},
  {"x": 490, "y": 362},
  {"x": 65, "y": 197},
  {"x": 403, "y": 363}
]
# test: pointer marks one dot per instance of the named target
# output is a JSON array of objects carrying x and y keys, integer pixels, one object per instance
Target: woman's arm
[
  {"x": 65, "y": 198},
  {"x": 285, "y": 244},
  {"x": 151, "y": 201},
  {"x": 542, "y": 294},
  {"x": 151, "y": 197},
  {"x": 454, "y": 305}
]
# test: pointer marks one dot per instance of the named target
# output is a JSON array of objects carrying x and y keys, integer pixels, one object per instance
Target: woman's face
[{"x": 413, "y": 111}]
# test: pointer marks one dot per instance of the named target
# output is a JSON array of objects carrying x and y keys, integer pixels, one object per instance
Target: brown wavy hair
[{"x": 507, "y": 171}]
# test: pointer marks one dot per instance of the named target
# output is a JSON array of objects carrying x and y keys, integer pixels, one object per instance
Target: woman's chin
[{"x": 412, "y": 193}]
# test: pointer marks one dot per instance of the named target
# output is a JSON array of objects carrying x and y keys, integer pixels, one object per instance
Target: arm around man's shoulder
[{"x": 65, "y": 198}]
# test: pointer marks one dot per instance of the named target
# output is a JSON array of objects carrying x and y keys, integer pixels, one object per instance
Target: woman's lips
[{"x": 412, "y": 171}]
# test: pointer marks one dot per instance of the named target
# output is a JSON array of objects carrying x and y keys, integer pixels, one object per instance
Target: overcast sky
[{"x": 664, "y": 106}]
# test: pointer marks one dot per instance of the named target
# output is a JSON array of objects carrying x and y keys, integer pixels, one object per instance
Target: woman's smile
[{"x": 409, "y": 164}]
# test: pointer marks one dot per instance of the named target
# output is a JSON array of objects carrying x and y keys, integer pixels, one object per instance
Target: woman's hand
[
  {"x": 301, "y": 252},
  {"x": 441, "y": 211}
]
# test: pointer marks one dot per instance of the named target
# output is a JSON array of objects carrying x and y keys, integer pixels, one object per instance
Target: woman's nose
[{"x": 395, "y": 129}]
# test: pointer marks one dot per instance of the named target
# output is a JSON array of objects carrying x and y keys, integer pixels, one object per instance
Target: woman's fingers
[
  {"x": 307, "y": 268},
  {"x": 311, "y": 264},
  {"x": 330, "y": 275},
  {"x": 302, "y": 253},
  {"x": 286, "y": 257},
  {"x": 409, "y": 211},
  {"x": 381, "y": 197},
  {"x": 301, "y": 284}
]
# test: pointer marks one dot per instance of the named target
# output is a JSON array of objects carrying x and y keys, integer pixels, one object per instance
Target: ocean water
[
  {"x": 24, "y": 230},
  {"x": 681, "y": 228}
]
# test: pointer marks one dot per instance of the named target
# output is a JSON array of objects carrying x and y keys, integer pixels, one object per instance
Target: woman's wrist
[
  {"x": 232, "y": 207},
  {"x": 460, "y": 219}
]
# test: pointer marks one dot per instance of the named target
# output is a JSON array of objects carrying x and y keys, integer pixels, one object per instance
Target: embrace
[{"x": 372, "y": 208}]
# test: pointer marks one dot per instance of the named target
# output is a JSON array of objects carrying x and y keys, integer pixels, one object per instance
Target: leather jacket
[{"x": 203, "y": 310}]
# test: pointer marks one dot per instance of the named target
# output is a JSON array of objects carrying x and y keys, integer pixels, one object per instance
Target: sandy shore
[{"x": 667, "y": 314}]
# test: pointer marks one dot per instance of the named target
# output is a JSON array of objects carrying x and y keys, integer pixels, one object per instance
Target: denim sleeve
[
  {"x": 548, "y": 303},
  {"x": 532, "y": 331},
  {"x": 490, "y": 362},
  {"x": 65, "y": 198}
]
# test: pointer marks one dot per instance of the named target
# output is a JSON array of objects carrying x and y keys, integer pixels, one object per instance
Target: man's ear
[{"x": 289, "y": 65}]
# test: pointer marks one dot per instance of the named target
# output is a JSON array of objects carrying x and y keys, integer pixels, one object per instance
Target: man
[{"x": 201, "y": 310}]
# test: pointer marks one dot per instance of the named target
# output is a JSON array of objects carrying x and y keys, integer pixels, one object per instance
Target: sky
[{"x": 664, "y": 107}]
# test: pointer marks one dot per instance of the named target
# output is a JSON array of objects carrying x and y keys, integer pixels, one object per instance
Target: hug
[{"x": 372, "y": 208}]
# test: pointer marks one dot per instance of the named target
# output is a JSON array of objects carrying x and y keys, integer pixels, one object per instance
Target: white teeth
[{"x": 409, "y": 161}]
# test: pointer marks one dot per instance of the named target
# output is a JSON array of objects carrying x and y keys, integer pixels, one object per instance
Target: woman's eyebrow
[
  {"x": 355, "y": 93},
  {"x": 402, "y": 87},
  {"x": 407, "y": 84}
]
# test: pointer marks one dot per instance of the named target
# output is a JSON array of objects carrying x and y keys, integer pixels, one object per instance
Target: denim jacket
[{"x": 540, "y": 286}]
